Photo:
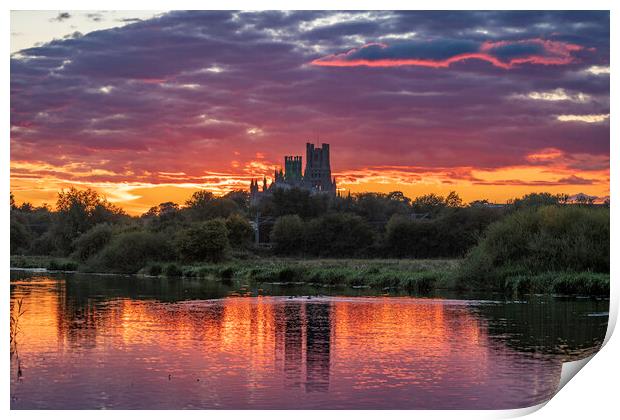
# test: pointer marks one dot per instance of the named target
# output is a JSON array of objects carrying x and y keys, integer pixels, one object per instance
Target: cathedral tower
[{"x": 318, "y": 173}]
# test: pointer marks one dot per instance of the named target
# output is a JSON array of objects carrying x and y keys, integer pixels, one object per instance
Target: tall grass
[{"x": 583, "y": 283}]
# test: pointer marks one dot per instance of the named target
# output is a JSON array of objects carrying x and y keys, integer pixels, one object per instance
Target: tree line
[{"x": 86, "y": 227}]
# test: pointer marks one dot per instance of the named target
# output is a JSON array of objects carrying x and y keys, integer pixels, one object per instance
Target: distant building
[{"x": 316, "y": 178}]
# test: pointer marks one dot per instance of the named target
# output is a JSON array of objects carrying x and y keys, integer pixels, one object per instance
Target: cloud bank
[{"x": 219, "y": 97}]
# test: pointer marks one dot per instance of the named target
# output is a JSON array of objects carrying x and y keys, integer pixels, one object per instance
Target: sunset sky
[{"x": 149, "y": 107}]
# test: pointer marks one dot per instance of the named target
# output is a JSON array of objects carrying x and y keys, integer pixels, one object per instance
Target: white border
[{"x": 592, "y": 395}]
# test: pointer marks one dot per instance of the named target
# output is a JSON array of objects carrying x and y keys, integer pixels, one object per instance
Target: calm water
[{"x": 122, "y": 342}]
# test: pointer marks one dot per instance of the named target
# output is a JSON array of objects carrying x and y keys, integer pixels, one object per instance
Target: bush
[
  {"x": 334, "y": 235},
  {"x": 154, "y": 270},
  {"x": 20, "y": 237},
  {"x": 288, "y": 275},
  {"x": 77, "y": 211},
  {"x": 227, "y": 273},
  {"x": 240, "y": 231},
  {"x": 338, "y": 235},
  {"x": 536, "y": 200},
  {"x": 287, "y": 235},
  {"x": 203, "y": 205},
  {"x": 44, "y": 245},
  {"x": 451, "y": 234},
  {"x": 204, "y": 241},
  {"x": 172, "y": 270},
  {"x": 92, "y": 241},
  {"x": 294, "y": 201},
  {"x": 540, "y": 239},
  {"x": 130, "y": 251},
  {"x": 411, "y": 238}
]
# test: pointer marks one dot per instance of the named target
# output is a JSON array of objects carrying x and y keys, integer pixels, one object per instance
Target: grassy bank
[
  {"x": 419, "y": 276},
  {"x": 43, "y": 261},
  {"x": 414, "y": 275},
  {"x": 579, "y": 283}
]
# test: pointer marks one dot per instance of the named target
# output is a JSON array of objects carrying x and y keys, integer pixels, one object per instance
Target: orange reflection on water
[{"x": 264, "y": 352}]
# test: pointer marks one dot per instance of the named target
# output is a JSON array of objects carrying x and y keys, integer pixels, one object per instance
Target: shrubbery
[
  {"x": 240, "y": 231},
  {"x": 537, "y": 240},
  {"x": 92, "y": 241},
  {"x": 207, "y": 241},
  {"x": 287, "y": 235},
  {"x": 44, "y": 245},
  {"x": 77, "y": 211},
  {"x": 20, "y": 237},
  {"x": 338, "y": 235},
  {"x": 334, "y": 235},
  {"x": 130, "y": 251},
  {"x": 172, "y": 270},
  {"x": 450, "y": 235}
]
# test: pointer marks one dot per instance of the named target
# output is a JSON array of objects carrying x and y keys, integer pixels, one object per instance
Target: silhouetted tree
[
  {"x": 92, "y": 241},
  {"x": 79, "y": 210},
  {"x": 206, "y": 241},
  {"x": 287, "y": 235},
  {"x": 535, "y": 200},
  {"x": 479, "y": 203},
  {"x": 294, "y": 201},
  {"x": 199, "y": 199},
  {"x": 240, "y": 231},
  {"x": 453, "y": 200},
  {"x": 429, "y": 203},
  {"x": 338, "y": 235},
  {"x": 240, "y": 197}
]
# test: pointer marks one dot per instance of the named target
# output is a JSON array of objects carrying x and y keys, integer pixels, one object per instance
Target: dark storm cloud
[
  {"x": 517, "y": 50},
  {"x": 209, "y": 83},
  {"x": 438, "y": 50}
]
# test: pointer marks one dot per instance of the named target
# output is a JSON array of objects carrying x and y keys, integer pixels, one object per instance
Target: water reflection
[
  {"x": 96, "y": 342},
  {"x": 318, "y": 337}
]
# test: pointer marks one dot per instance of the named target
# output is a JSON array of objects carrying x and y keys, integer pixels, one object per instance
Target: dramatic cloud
[
  {"x": 444, "y": 53},
  {"x": 160, "y": 107}
]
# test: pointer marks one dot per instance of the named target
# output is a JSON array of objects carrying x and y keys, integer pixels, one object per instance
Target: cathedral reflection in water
[{"x": 303, "y": 344}]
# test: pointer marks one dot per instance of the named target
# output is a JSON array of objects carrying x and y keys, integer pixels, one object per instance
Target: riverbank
[
  {"x": 420, "y": 276},
  {"x": 413, "y": 275},
  {"x": 43, "y": 261}
]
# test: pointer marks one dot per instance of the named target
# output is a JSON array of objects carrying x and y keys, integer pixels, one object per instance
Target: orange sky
[{"x": 497, "y": 185}]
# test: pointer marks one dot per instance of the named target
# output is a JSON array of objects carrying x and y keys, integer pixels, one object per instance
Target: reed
[{"x": 17, "y": 311}]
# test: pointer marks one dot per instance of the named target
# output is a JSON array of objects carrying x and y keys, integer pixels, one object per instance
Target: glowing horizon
[{"x": 471, "y": 184}]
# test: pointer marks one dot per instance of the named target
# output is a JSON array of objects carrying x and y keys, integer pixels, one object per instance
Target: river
[{"x": 92, "y": 341}]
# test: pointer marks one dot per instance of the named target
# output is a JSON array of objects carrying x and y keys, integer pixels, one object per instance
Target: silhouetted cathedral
[{"x": 317, "y": 177}]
